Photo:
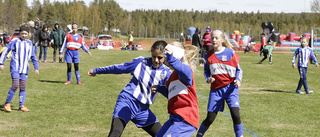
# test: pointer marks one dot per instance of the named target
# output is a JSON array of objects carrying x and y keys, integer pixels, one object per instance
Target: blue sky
[{"x": 270, "y": 6}]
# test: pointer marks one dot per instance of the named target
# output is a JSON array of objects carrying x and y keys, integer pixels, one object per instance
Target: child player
[
  {"x": 134, "y": 100},
  {"x": 181, "y": 92},
  {"x": 73, "y": 42},
  {"x": 267, "y": 50},
  {"x": 222, "y": 70},
  {"x": 22, "y": 52},
  {"x": 304, "y": 53}
]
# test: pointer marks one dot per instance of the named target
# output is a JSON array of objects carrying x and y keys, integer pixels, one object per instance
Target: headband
[{"x": 176, "y": 51}]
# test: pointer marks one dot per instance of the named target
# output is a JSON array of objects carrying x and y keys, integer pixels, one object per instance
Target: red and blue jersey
[
  {"x": 181, "y": 92},
  {"x": 22, "y": 52},
  {"x": 223, "y": 66},
  {"x": 73, "y": 42}
]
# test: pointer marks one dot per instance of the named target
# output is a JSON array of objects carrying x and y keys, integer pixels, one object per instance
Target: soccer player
[
  {"x": 22, "y": 52},
  {"x": 134, "y": 100},
  {"x": 73, "y": 41},
  {"x": 181, "y": 92},
  {"x": 267, "y": 50},
  {"x": 304, "y": 53},
  {"x": 222, "y": 70}
]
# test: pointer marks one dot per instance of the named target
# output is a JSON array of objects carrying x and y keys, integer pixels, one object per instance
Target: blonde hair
[
  {"x": 304, "y": 38},
  {"x": 190, "y": 53},
  {"x": 226, "y": 43}
]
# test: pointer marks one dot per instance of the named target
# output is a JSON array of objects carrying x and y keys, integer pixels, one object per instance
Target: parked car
[
  {"x": 104, "y": 39},
  {"x": 15, "y": 34}
]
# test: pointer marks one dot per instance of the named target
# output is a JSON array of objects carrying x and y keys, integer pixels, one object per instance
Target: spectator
[
  {"x": 57, "y": 35},
  {"x": 207, "y": 40},
  {"x": 44, "y": 40},
  {"x": 196, "y": 41},
  {"x": 181, "y": 38},
  {"x": 5, "y": 37},
  {"x": 130, "y": 39}
]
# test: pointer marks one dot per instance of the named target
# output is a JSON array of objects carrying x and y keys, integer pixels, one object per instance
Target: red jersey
[
  {"x": 183, "y": 99},
  {"x": 74, "y": 42},
  {"x": 224, "y": 72}
]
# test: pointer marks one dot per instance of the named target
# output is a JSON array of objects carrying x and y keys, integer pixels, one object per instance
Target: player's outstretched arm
[{"x": 90, "y": 73}]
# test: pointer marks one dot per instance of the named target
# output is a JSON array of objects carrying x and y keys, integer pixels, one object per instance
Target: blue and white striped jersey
[
  {"x": 22, "y": 52},
  {"x": 303, "y": 56},
  {"x": 144, "y": 74}
]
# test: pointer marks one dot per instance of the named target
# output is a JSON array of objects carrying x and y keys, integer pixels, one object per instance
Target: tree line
[{"x": 103, "y": 15}]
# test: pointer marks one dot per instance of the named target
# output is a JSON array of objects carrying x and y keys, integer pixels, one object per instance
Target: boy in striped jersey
[
  {"x": 304, "y": 53},
  {"x": 22, "y": 52},
  {"x": 134, "y": 100}
]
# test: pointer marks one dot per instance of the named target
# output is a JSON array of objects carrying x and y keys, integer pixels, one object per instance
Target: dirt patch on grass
[{"x": 6, "y": 124}]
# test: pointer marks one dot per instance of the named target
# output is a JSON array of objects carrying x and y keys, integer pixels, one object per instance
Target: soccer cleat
[
  {"x": 67, "y": 83},
  {"x": 80, "y": 83},
  {"x": 45, "y": 61},
  {"x": 299, "y": 92},
  {"x": 7, "y": 107},
  {"x": 24, "y": 109},
  {"x": 201, "y": 64},
  {"x": 39, "y": 61},
  {"x": 270, "y": 63},
  {"x": 309, "y": 92}
]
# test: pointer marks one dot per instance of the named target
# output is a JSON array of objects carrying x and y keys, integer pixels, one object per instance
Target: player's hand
[
  {"x": 89, "y": 53},
  {"x": 168, "y": 50},
  {"x": 154, "y": 89},
  {"x": 90, "y": 73},
  {"x": 237, "y": 83},
  {"x": 211, "y": 80},
  {"x": 317, "y": 65},
  {"x": 37, "y": 72},
  {"x": 293, "y": 65},
  {"x": 60, "y": 56},
  {"x": 1, "y": 67}
]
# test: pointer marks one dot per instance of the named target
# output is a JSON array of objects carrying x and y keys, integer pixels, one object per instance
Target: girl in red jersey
[
  {"x": 181, "y": 91},
  {"x": 222, "y": 70}
]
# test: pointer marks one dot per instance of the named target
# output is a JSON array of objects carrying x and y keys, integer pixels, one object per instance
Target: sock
[
  {"x": 202, "y": 130},
  {"x": 77, "y": 75},
  {"x": 22, "y": 97},
  {"x": 238, "y": 130},
  {"x": 10, "y": 96},
  {"x": 69, "y": 76}
]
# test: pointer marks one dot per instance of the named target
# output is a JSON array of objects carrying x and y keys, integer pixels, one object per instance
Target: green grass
[{"x": 269, "y": 105}]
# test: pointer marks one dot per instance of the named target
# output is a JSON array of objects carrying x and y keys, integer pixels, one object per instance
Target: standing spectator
[
  {"x": 196, "y": 41},
  {"x": 181, "y": 40},
  {"x": 130, "y": 39},
  {"x": 57, "y": 35},
  {"x": 207, "y": 40},
  {"x": 304, "y": 53},
  {"x": 44, "y": 40},
  {"x": 263, "y": 42},
  {"x": 19, "y": 67},
  {"x": 223, "y": 72},
  {"x": 35, "y": 32},
  {"x": 134, "y": 99},
  {"x": 5, "y": 37},
  {"x": 72, "y": 43}
]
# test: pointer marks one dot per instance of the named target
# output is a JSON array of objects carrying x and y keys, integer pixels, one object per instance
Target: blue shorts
[
  {"x": 128, "y": 108},
  {"x": 230, "y": 93},
  {"x": 16, "y": 75},
  {"x": 176, "y": 127},
  {"x": 72, "y": 56}
]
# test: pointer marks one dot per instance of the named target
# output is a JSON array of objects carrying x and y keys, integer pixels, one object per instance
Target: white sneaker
[{"x": 309, "y": 92}]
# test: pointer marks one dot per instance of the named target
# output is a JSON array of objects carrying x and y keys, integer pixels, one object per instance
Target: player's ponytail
[{"x": 190, "y": 53}]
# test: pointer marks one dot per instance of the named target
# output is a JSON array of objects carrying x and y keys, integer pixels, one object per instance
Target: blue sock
[
  {"x": 238, "y": 130},
  {"x": 22, "y": 97},
  {"x": 77, "y": 75},
  {"x": 69, "y": 76},
  {"x": 10, "y": 96},
  {"x": 202, "y": 130}
]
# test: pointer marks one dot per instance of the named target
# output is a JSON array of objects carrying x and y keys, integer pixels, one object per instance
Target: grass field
[{"x": 269, "y": 104}]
